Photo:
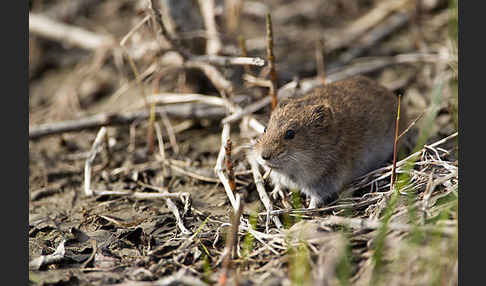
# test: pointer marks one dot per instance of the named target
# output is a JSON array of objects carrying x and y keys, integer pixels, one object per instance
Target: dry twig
[
  {"x": 75, "y": 36},
  {"x": 257, "y": 177},
  {"x": 213, "y": 43},
  {"x": 271, "y": 61},
  {"x": 109, "y": 119},
  {"x": 87, "y": 166},
  {"x": 155, "y": 7},
  {"x": 394, "y": 164},
  {"x": 225, "y": 136},
  {"x": 231, "y": 242},
  {"x": 229, "y": 165}
]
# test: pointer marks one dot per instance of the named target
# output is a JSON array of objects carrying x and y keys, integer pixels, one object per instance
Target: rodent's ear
[{"x": 321, "y": 111}]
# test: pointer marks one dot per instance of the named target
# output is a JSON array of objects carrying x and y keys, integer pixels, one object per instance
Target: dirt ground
[{"x": 369, "y": 236}]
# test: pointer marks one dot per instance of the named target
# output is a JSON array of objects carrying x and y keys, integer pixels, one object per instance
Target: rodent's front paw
[
  {"x": 314, "y": 203},
  {"x": 275, "y": 191}
]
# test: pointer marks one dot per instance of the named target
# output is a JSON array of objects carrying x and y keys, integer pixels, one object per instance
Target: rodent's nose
[{"x": 266, "y": 155}]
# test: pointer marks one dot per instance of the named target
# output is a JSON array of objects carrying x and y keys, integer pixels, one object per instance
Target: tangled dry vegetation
[{"x": 141, "y": 113}]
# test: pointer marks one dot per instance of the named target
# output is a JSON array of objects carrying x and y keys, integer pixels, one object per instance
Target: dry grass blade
[
  {"x": 43, "y": 260},
  {"x": 271, "y": 61},
  {"x": 362, "y": 24},
  {"x": 231, "y": 242},
  {"x": 160, "y": 140},
  {"x": 94, "y": 245},
  {"x": 244, "y": 53},
  {"x": 229, "y": 165},
  {"x": 171, "y": 132},
  {"x": 219, "y": 166},
  {"x": 257, "y": 177},
  {"x": 394, "y": 164},
  {"x": 175, "y": 211},
  {"x": 155, "y": 7},
  {"x": 230, "y": 61},
  {"x": 173, "y": 98},
  {"x": 223, "y": 85},
  {"x": 88, "y": 164},
  {"x": 133, "y": 30},
  {"x": 75, "y": 36},
  {"x": 110, "y": 119},
  {"x": 411, "y": 125},
  {"x": 213, "y": 43}
]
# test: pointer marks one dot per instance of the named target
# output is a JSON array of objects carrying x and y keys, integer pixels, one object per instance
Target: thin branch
[
  {"x": 175, "y": 211},
  {"x": 72, "y": 35},
  {"x": 171, "y": 132},
  {"x": 231, "y": 242},
  {"x": 109, "y": 119},
  {"x": 283, "y": 92},
  {"x": 213, "y": 43},
  {"x": 223, "y": 85},
  {"x": 218, "y": 168},
  {"x": 87, "y": 166},
  {"x": 394, "y": 165},
  {"x": 244, "y": 53},
  {"x": 362, "y": 24},
  {"x": 160, "y": 140},
  {"x": 155, "y": 7},
  {"x": 229, "y": 165},
  {"x": 411, "y": 125},
  {"x": 257, "y": 177},
  {"x": 271, "y": 61},
  {"x": 229, "y": 61}
]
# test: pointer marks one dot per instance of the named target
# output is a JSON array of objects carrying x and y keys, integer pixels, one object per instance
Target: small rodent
[{"x": 321, "y": 141}]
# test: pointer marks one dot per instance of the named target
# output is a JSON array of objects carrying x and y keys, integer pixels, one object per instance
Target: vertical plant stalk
[
  {"x": 232, "y": 15},
  {"x": 271, "y": 61},
  {"x": 213, "y": 43},
  {"x": 231, "y": 242},
  {"x": 229, "y": 165},
  {"x": 150, "y": 131},
  {"x": 244, "y": 52},
  {"x": 150, "y": 109},
  {"x": 393, "y": 175},
  {"x": 89, "y": 162},
  {"x": 218, "y": 168},
  {"x": 155, "y": 6}
]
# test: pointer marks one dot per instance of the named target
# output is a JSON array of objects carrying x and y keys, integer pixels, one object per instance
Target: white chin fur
[
  {"x": 276, "y": 177},
  {"x": 282, "y": 180}
]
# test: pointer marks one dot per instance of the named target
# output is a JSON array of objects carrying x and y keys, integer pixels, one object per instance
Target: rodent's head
[{"x": 296, "y": 131}]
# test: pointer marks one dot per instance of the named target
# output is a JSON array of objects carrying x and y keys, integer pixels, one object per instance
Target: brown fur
[{"x": 342, "y": 130}]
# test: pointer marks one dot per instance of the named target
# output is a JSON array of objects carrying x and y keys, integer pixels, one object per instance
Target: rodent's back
[{"x": 365, "y": 113}]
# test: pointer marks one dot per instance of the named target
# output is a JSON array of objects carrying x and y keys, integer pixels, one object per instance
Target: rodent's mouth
[
  {"x": 268, "y": 164},
  {"x": 273, "y": 166}
]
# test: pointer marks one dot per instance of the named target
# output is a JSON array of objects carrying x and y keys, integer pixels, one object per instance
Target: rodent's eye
[
  {"x": 289, "y": 134},
  {"x": 265, "y": 130}
]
